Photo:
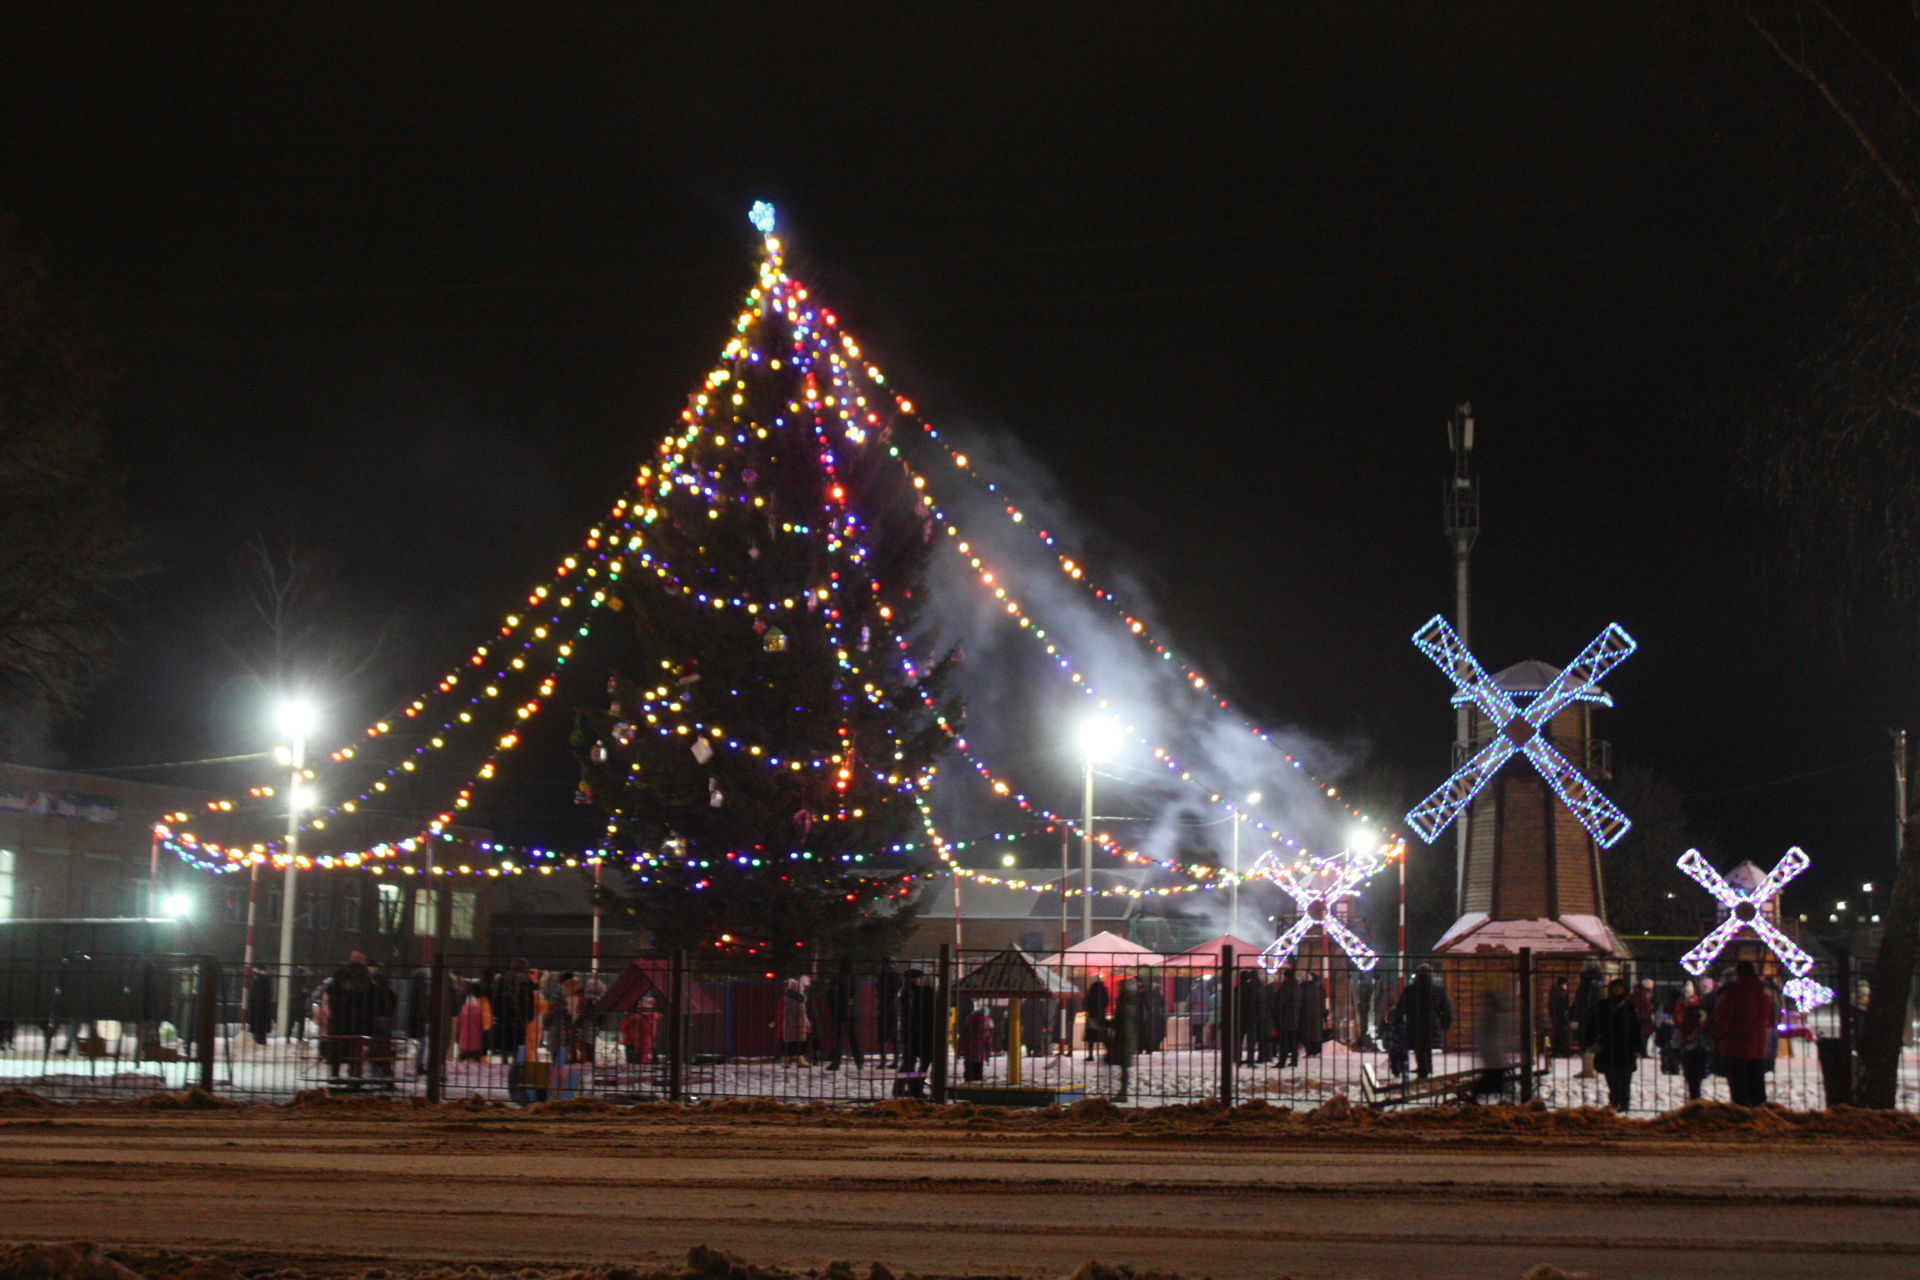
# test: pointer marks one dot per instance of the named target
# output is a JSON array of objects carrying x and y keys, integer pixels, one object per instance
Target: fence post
[
  {"x": 206, "y": 1019},
  {"x": 1527, "y": 1048},
  {"x": 943, "y": 1014},
  {"x": 437, "y": 1027},
  {"x": 677, "y": 1028},
  {"x": 1229, "y": 1023}
]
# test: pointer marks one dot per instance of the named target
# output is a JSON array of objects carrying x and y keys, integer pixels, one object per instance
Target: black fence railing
[{"x": 980, "y": 1026}]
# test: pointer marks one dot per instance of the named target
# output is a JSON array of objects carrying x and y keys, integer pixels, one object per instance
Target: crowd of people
[
  {"x": 1696, "y": 1029},
  {"x": 546, "y": 1026}
]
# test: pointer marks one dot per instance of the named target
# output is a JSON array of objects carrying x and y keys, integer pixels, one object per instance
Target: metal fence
[{"x": 974, "y": 1026}]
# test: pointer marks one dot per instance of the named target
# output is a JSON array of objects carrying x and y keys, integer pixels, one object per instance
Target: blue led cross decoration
[{"x": 1522, "y": 731}]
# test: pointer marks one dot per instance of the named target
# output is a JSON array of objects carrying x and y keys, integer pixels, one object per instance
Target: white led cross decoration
[
  {"x": 1746, "y": 910},
  {"x": 1522, "y": 731},
  {"x": 1316, "y": 908},
  {"x": 1807, "y": 993}
]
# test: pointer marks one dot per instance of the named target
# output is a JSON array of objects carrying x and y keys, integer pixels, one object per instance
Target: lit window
[
  {"x": 6, "y": 884},
  {"x": 466, "y": 907}
]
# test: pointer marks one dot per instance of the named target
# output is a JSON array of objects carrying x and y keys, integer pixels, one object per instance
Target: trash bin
[{"x": 1839, "y": 1070}]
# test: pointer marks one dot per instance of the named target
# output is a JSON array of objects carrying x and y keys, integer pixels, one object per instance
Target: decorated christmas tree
[{"x": 769, "y": 732}]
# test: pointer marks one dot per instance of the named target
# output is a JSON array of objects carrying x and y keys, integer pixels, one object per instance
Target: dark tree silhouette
[{"x": 66, "y": 543}]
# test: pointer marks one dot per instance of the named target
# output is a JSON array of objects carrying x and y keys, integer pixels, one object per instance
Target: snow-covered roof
[
  {"x": 1102, "y": 946},
  {"x": 1208, "y": 952},
  {"x": 1525, "y": 679},
  {"x": 1575, "y": 933}
]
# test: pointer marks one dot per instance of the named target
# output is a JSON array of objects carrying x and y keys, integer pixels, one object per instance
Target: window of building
[
  {"x": 323, "y": 911},
  {"x": 390, "y": 908},
  {"x": 463, "y": 917},
  {"x": 273, "y": 906},
  {"x": 8, "y": 879},
  {"x": 423, "y": 913}
]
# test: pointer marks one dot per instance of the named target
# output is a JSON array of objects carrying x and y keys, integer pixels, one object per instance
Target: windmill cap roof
[{"x": 1525, "y": 679}]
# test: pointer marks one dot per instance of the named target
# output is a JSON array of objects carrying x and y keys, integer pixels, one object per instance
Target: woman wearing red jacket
[{"x": 1742, "y": 1019}]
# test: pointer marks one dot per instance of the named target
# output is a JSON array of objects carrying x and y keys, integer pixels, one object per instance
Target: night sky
[{"x": 423, "y": 283}]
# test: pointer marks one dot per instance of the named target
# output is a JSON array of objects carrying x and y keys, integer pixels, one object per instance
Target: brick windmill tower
[{"x": 1530, "y": 873}]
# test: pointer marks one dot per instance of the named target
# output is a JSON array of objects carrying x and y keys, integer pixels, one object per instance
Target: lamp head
[
  {"x": 1100, "y": 739},
  {"x": 296, "y": 717}
]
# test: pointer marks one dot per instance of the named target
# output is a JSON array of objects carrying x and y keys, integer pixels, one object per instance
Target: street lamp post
[
  {"x": 1099, "y": 739},
  {"x": 1233, "y": 891},
  {"x": 296, "y": 719}
]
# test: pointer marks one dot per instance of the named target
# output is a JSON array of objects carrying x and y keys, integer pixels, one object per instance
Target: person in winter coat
[
  {"x": 1096, "y": 1028},
  {"x": 1643, "y": 1009},
  {"x": 1250, "y": 1007},
  {"x": 1153, "y": 1015},
  {"x": 843, "y": 1014},
  {"x": 1123, "y": 1039},
  {"x": 1586, "y": 999},
  {"x": 1200, "y": 1015},
  {"x": 976, "y": 1044},
  {"x": 1692, "y": 1037},
  {"x": 638, "y": 1029},
  {"x": 1311, "y": 1026},
  {"x": 260, "y": 1006},
  {"x": 886, "y": 1003},
  {"x": 1742, "y": 1030},
  {"x": 1283, "y": 1018},
  {"x": 1425, "y": 1014},
  {"x": 919, "y": 1034},
  {"x": 567, "y": 1030},
  {"x": 1560, "y": 1019},
  {"x": 1613, "y": 1034},
  {"x": 512, "y": 1007},
  {"x": 472, "y": 1023},
  {"x": 794, "y": 1023}
]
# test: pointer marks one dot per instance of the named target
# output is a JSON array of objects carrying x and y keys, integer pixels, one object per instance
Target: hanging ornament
[
  {"x": 750, "y": 475},
  {"x": 688, "y": 672},
  {"x": 702, "y": 751},
  {"x": 599, "y": 753},
  {"x": 583, "y": 794},
  {"x": 866, "y": 638},
  {"x": 613, "y": 686},
  {"x": 803, "y": 820},
  {"x": 714, "y": 798},
  {"x": 775, "y": 640},
  {"x": 759, "y": 626},
  {"x": 753, "y": 552},
  {"x": 616, "y": 602},
  {"x": 622, "y": 732}
]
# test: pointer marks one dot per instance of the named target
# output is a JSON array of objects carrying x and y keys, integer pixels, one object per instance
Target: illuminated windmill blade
[
  {"x": 1281, "y": 949},
  {"x": 1607, "y": 651},
  {"x": 1432, "y": 816},
  {"x": 1438, "y": 641},
  {"x": 1791, "y": 864},
  {"x": 1357, "y": 951},
  {"x": 1797, "y": 961},
  {"x": 1697, "y": 960},
  {"x": 1695, "y": 864},
  {"x": 1807, "y": 993},
  {"x": 1602, "y": 819}
]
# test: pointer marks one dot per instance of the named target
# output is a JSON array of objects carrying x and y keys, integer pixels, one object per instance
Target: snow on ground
[{"x": 278, "y": 1071}]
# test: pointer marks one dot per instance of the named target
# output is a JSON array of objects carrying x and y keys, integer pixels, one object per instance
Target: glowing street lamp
[{"x": 1100, "y": 740}]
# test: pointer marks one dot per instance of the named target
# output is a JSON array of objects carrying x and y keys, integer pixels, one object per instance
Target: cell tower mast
[{"x": 1463, "y": 526}]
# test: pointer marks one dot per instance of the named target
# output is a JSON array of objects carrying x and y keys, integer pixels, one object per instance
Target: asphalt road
[{"x": 336, "y": 1191}]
